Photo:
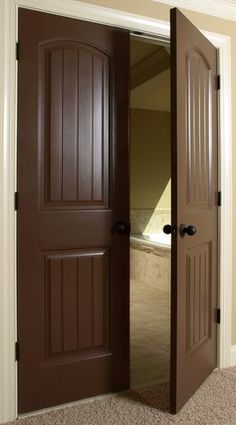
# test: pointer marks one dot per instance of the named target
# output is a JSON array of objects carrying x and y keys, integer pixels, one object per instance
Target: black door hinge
[
  {"x": 218, "y": 316},
  {"x": 17, "y": 50},
  {"x": 16, "y": 201},
  {"x": 138, "y": 33},
  {"x": 219, "y": 199},
  {"x": 218, "y": 82},
  {"x": 17, "y": 351}
]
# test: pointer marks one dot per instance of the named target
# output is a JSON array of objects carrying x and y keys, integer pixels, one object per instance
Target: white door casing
[{"x": 8, "y": 183}]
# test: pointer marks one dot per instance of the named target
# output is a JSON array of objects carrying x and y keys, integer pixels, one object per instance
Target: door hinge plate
[
  {"x": 138, "y": 33},
  {"x": 219, "y": 199},
  {"x": 16, "y": 200},
  {"x": 218, "y": 82},
  {"x": 218, "y": 316},
  {"x": 17, "y": 50},
  {"x": 17, "y": 351}
]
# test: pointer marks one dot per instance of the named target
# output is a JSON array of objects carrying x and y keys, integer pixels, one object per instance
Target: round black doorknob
[
  {"x": 167, "y": 229},
  {"x": 189, "y": 230},
  {"x": 121, "y": 227}
]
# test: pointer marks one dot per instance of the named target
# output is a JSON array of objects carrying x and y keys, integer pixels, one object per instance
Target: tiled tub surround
[
  {"x": 149, "y": 220},
  {"x": 150, "y": 313},
  {"x": 150, "y": 262}
]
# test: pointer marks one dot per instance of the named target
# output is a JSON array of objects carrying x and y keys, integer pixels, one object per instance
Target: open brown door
[
  {"x": 73, "y": 270},
  {"x": 194, "y": 209}
]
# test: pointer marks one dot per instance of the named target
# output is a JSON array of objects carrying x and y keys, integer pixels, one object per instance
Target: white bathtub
[
  {"x": 153, "y": 239},
  {"x": 150, "y": 259}
]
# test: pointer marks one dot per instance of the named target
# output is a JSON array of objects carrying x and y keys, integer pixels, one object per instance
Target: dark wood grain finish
[
  {"x": 199, "y": 293},
  {"x": 74, "y": 83},
  {"x": 77, "y": 303},
  {"x": 194, "y": 268},
  {"x": 73, "y": 183},
  {"x": 199, "y": 133}
]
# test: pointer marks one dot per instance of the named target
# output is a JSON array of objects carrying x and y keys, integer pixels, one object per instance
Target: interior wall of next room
[
  {"x": 150, "y": 159},
  {"x": 150, "y": 169}
]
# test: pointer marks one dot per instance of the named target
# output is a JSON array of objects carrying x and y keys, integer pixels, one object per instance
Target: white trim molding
[
  {"x": 8, "y": 372},
  {"x": 8, "y": 146},
  {"x": 233, "y": 355},
  {"x": 224, "y": 9},
  {"x": 225, "y": 185}
]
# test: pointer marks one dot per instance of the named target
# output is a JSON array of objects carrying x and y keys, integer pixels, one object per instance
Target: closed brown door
[
  {"x": 194, "y": 209},
  {"x": 73, "y": 272}
]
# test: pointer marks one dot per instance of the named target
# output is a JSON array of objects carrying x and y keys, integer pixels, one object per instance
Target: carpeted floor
[{"x": 213, "y": 404}]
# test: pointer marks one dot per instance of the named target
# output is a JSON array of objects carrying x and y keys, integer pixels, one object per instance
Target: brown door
[
  {"x": 73, "y": 272},
  {"x": 194, "y": 207}
]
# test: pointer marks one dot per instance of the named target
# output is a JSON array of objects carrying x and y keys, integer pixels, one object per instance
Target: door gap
[{"x": 150, "y": 248}]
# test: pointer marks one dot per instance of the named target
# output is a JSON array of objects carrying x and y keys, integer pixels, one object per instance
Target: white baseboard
[{"x": 233, "y": 355}]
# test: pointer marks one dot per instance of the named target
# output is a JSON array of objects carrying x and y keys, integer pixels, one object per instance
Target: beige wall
[
  {"x": 150, "y": 159},
  {"x": 208, "y": 23}
]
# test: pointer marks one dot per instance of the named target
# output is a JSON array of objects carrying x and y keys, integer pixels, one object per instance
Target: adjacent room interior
[{"x": 150, "y": 204}]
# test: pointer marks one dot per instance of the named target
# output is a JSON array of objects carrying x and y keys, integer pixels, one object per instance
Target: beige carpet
[{"x": 213, "y": 404}]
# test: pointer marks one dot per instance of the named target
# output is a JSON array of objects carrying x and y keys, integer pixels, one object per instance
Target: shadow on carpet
[{"x": 156, "y": 396}]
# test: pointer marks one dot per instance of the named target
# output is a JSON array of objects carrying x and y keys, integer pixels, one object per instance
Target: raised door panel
[
  {"x": 74, "y": 93},
  {"x": 77, "y": 297},
  {"x": 198, "y": 297},
  {"x": 199, "y": 130}
]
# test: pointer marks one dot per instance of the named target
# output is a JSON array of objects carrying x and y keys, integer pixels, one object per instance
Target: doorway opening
[{"x": 150, "y": 210}]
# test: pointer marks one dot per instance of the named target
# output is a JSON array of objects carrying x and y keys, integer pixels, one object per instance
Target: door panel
[
  {"x": 74, "y": 322},
  {"x": 73, "y": 272},
  {"x": 194, "y": 202},
  {"x": 199, "y": 143},
  {"x": 198, "y": 327},
  {"x": 74, "y": 88}
]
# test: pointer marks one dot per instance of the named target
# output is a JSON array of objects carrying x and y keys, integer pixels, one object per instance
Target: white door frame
[{"x": 8, "y": 184}]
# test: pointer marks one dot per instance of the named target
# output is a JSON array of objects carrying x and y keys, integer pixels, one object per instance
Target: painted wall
[
  {"x": 207, "y": 23},
  {"x": 150, "y": 159}
]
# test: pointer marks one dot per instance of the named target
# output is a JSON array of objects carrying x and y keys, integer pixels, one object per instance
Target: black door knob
[
  {"x": 189, "y": 230},
  {"x": 169, "y": 230},
  {"x": 121, "y": 227}
]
